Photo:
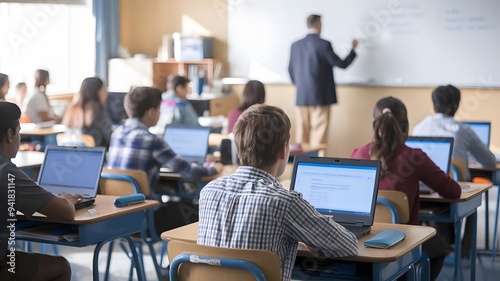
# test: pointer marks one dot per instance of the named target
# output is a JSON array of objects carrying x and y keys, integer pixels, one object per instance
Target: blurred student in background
[
  {"x": 21, "y": 91},
  {"x": 4, "y": 86},
  {"x": 253, "y": 93},
  {"x": 37, "y": 106},
  {"x": 86, "y": 113}
]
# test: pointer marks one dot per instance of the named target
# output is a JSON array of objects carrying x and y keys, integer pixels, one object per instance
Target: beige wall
[{"x": 145, "y": 22}]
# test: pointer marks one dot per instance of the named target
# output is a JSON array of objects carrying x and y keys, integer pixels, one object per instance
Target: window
[{"x": 57, "y": 37}]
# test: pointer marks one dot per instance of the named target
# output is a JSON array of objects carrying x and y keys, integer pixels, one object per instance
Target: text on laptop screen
[
  {"x": 438, "y": 150},
  {"x": 482, "y": 130},
  {"x": 337, "y": 189},
  {"x": 188, "y": 142},
  {"x": 63, "y": 170}
]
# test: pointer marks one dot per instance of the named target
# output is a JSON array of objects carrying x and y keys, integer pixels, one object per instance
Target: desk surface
[
  {"x": 31, "y": 129},
  {"x": 479, "y": 189},
  {"x": 482, "y": 169},
  {"x": 28, "y": 159},
  {"x": 416, "y": 235},
  {"x": 105, "y": 209}
]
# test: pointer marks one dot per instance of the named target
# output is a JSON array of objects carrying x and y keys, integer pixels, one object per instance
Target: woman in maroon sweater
[{"x": 403, "y": 167}]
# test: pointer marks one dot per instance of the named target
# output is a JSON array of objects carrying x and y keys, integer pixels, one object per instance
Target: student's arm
[
  {"x": 45, "y": 116},
  {"x": 430, "y": 174},
  {"x": 60, "y": 208},
  {"x": 305, "y": 224},
  {"x": 479, "y": 150}
]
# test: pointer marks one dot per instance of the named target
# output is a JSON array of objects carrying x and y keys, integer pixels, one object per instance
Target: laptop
[
  {"x": 439, "y": 150},
  {"x": 482, "y": 130},
  {"x": 189, "y": 142},
  {"x": 73, "y": 170},
  {"x": 344, "y": 189}
]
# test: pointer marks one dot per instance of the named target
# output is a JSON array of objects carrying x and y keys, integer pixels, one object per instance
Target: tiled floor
[{"x": 81, "y": 259}]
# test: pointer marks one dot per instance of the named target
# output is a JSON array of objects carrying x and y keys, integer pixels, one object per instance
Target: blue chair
[
  {"x": 393, "y": 207},
  {"x": 112, "y": 183},
  {"x": 191, "y": 261}
]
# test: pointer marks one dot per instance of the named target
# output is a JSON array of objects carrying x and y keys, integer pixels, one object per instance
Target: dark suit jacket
[{"x": 311, "y": 69}]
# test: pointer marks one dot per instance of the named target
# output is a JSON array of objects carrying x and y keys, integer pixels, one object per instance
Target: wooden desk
[
  {"x": 28, "y": 159},
  {"x": 459, "y": 209},
  {"x": 386, "y": 263},
  {"x": 31, "y": 129},
  {"x": 109, "y": 223}
]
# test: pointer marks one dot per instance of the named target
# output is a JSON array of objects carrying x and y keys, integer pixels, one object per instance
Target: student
[
  {"x": 29, "y": 198},
  {"x": 253, "y": 93},
  {"x": 37, "y": 106},
  {"x": 86, "y": 114},
  {"x": 250, "y": 209},
  {"x": 446, "y": 100},
  {"x": 134, "y": 147},
  {"x": 4, "y": 86},
  {"x": 21, "y": 91},
  {"x": 403, "y": 167},
  {"x": 175, "y": 108}
]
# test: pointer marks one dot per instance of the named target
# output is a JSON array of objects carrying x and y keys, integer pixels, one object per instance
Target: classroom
[{"x": 143, "y": 27}]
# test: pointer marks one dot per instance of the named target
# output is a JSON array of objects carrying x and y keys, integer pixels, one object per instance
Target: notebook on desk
[
  {"x": 345, "y": 189},
  {"x": 191, "y": 143},
  {"x": 439, "y": 150},
  {"x": 73, "y": 170}
]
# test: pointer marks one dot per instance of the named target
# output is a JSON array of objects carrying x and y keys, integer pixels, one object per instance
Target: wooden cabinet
[{"x": 162, "y": 70}]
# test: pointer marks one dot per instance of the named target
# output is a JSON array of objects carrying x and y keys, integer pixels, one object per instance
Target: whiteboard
[{"x": 402, "y": 42}]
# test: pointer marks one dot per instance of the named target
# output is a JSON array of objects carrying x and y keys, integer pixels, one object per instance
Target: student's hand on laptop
[{"x": 71, "y": 198}]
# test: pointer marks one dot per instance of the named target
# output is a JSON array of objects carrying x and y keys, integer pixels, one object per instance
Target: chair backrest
[
  {"x": 267, "y": 261},
  {"x": 392, "y": 207},
  {"x": 458, "y": 170},
  {"x": 64, "y": 139},
  {"x": 114, "y": 182}
]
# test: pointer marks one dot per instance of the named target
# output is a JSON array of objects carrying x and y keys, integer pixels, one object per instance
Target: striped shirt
[
  {"x": 250, "y": 209},
  {"x": 134, "y": 147}
]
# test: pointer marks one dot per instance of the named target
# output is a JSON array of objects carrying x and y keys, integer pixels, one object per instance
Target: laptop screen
[
  {"x": 74, "y": 170},
  {"x": 439, "y": 149},
  {"x": 482, "y": 130},
  {"x": 191, "y": 143},
  {"x": 343, "y": 188}
]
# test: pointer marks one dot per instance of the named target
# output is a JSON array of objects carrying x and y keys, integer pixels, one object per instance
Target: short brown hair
[
  {"x": 313, "y": 20},
  {"x": 260, "y": 133},
  {"x": 140, "y": 99}
]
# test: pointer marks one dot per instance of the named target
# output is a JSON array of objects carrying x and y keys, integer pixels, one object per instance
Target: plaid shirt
[
  {"x": 251, "y": 210},
  {"x": 134, "y": 147}
]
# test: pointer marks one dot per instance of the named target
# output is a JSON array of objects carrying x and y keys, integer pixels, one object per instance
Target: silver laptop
[
  {"x": 439, "y": 150},
  {"x": 191, "y": 143},
  {"x": 345, "y": 189},
  {"x": 73, "y": 170}
]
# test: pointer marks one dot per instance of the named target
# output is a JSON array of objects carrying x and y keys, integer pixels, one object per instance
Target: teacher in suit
[{"x": 311, "y": 69}]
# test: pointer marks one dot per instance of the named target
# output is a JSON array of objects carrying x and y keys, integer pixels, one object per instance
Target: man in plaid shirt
[
  {"x": 250, "y": 209},
  {"x": 132, "y": 146}
]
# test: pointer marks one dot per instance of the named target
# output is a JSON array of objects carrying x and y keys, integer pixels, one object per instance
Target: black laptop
[{"x": 345, "y": 189}]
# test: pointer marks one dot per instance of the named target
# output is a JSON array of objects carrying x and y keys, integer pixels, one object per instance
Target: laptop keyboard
[{"x": 358, "y": 231}]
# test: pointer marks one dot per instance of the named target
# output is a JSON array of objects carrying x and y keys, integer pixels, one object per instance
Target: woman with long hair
[
  {"x": 253, "y": 93},
  {"x": 86, "y": 113},
  {"x": 37, "y": 106}
]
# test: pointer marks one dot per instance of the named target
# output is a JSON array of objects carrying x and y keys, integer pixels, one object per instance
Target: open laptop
[
  {"x": 345, "y": 189},
  {"x": 439, "y": 150},
  {"x": 482, "y": 130},
  {"x": 189, "y": 142},
  {"x": 73, "y": 170}
]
